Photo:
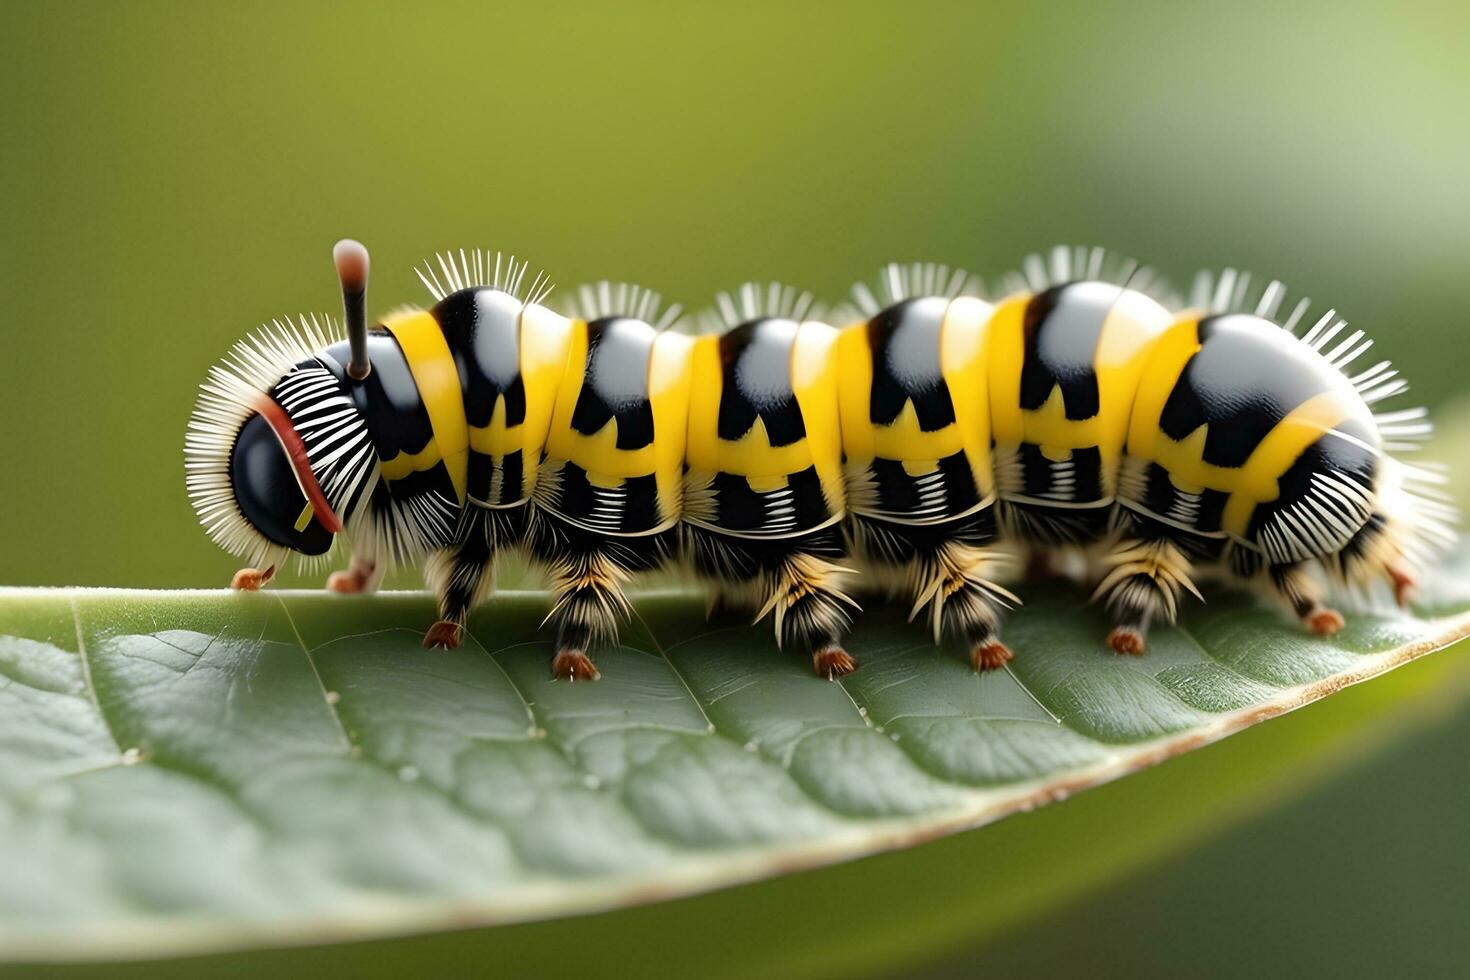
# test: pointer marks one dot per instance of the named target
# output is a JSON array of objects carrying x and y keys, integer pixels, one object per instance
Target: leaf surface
[{"x": 199, "y": 771}]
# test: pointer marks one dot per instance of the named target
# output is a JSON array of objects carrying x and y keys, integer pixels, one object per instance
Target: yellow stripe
[
  {"x": 814, "y": 371},
  {"x": 669, "y": 376},
  {"x": 963, "y": 362},
  {"x": 1132, "y": 327},
  {"x": 854, "y": 394},
  {"x": 545, "y": 339},
  {"x": 406, "y": 464},
  {"x": 704, "y": 445},
  {"x": 1130, "y": 332},
  {"x": 1259, "y": 480},
  {"x": 752, "y": 455},
  {"x": 1170, "y": 353},
  {"x": 597, "y": 454},
  {"x": 561, "y": 442},
  {"x": 1007, "y": 349},
  {"x": 434, "y": 373},
  {"x": 904, "y": 440},
  {"x": 814, "y": 382}
]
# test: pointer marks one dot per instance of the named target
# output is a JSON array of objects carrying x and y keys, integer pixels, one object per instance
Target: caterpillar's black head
[
  {"x": 277, "y": 454},
  {"x": 269, "y": 494}
]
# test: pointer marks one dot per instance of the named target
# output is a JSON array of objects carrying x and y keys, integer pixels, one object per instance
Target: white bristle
[
  {"x": 896, "y": 283},
  {"x": 474, "y": 268},
  {"x": 759, "y": 301},
  {"x": 226, "y": 401},
  {"x": 600, "y": 300},
  {"x": 1064, "y": 264}
]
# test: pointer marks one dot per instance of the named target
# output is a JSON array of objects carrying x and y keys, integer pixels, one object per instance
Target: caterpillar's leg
[
  {"x": 1404, "y": 580},
  {"x": 1142, "y": 582},
  {"x": 588, "y": 606},
  {"x": 461, "y": 577},
  {"x": 1377, "y": 552},
  {"x": 804, "y": 594},
  {"x": 362, "y": 576},
  {"x": 587, "y": 573},
  {"x": 954, "y": 581},
  {"x": 1294, "y": 585},
  {"x": 252, "y": 579}
]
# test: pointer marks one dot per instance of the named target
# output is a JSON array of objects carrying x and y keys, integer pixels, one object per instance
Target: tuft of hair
[
  {"x": 954, "y": 582},
  {"x": 1411, "y": 529},
  {"x": 402, "y": 530},
  {"x": 1145, "y": 577},
  {"x": 804, "y": 593},
  {"x": 446, "y": 574},
  {"x": 759, "y": 301},
  {"x": 1080, "y": 263},
  {"x": 1421, "y": 514},
  {"x": 475, "y": 268},
  {"x": 897, "y": 282},
  {"x": 589, "y": 591},
  {"x": 1233, "y": 291},
  {"x": 600, "y": 300},
  {"x": 226, "y": 401}
]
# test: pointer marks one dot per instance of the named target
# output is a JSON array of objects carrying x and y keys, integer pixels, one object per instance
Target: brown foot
[
  {"x": 574, "y": 665},
  {"x": 1126, "y": 639},
  {"x": 1324, "y": 622},
  {"x": 1404, "y": 583},
  {"x": 345, "y": 583},
  {"x": 833, "y": 662},
  {"x": 444, "y": 635},
  {"x": 252, "y": 579},
  {"x": 991, "y": 655}
]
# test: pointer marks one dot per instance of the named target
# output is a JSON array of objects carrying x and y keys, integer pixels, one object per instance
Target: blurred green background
[{"x": 174, "y": 173}]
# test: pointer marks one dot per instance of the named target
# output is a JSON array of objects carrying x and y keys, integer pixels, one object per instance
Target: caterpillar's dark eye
[{"x": 268, "y": 494}]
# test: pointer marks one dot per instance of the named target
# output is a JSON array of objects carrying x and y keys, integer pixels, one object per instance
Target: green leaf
[{"x": 203, "y": 771}]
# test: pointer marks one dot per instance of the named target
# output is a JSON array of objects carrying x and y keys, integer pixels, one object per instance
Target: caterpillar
[{"x": 923, "y": 440}]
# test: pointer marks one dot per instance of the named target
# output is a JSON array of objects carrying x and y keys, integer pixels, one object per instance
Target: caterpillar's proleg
[
  {"x": 461, "y": 577},
  {"x": 587, "y": 574},
  {"x": 799, "y": 582},
  {"x": 952, "y": 586},
  {"x": 1386, "y": 551},
  {"x": 252, "y": 579},
  {"x": 588, "y": 606},
  {"x": 1293, "y": 584},
  {"x": 804, "y": 597},
  {"x": 607, "y": 497},
  {"x": 948, "y": 572},
  {"x": 362, "y": 576},
  {"x": 831, "y": 661},
  {"x": 1144, "y": 577},
  {"x": 763, "y": 488}
]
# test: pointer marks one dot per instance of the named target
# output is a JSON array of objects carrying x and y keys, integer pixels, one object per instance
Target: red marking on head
[{"x": 280, "y": 423}]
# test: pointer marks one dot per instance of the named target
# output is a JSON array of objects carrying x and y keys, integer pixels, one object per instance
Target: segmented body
[{"x": 930, "y": 441}]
